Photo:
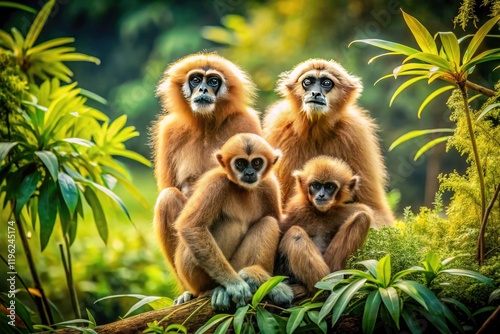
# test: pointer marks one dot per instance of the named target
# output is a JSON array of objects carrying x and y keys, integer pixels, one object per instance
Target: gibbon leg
[
  {"x": 168, "y": 206},
  {"x": 304, "y": 259},
  {"x": 351, "y": 236}
]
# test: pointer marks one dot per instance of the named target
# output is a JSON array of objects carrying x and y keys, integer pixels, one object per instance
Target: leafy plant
[
  {"x": 386, "y": 297},
  {"x": 448, "y": 64},
  {"x": 56, "y": 152}
]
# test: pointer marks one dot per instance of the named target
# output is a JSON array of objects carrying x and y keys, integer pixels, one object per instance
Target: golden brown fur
[
  {"x": 318, "y": 240},
  {"x": 228, "y": 229},
  {"x": 340, "y": 129},
  {"x": 184, "y": 139}
]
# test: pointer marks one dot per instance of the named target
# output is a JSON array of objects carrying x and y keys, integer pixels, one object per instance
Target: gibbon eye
[
  {"x": 330, "y": 187},
  {"x": 257, "y": 163},
  {"x": 307, "y": 82},
  {"x": 327, "y": 83},
  {"x": 316, "y": 185},
  {"x": 195, "y": 80},
  {"x": 240, "y": 164},
  {"x": 213, "y": 81}
]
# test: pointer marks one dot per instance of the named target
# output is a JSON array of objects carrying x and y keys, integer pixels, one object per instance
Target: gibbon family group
[{"x": 241, "y": 200}]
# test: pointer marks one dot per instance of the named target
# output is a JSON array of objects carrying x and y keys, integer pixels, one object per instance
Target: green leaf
[
  {"x": 5, "y": 149},
  {"x": 371, "y": 265},
  {"x": 47, "y": 210},
  {"x": 17, "y": 6},
  {"x": 451, "y": 48},
  {"x": 176, "y": 327},
  {"x": 390, "y": 299},
  {"x": 239, "y": 318},
  {"x": 432, "y": 96},
  {"x": 405, "y": 272},
  {"x": 478, "y": 39},
  {"x": 131, "y": 155},
  {"x": 469, "y": 273},
  {"x": 421, "y": 34},
  {"x": 331, "y": 302},
  {"x": 93, "y": 96},
  {"x": 141, "y": 303},
  {"x": 79, "y": 141},
  {"x": 212, "y": 322},
  {"x": 113, "y": 196},
  {"x": 383, "y": 55},
  {"x": 370, "y": 314},
  {"x": 430, "y": 58},
  {"x": 411, "y": 291},
  {"x": 412, "y": 321},
  {"x": 26, "y": 190},
  {"x": 49, "y": 44},
  {"x": 452, "y": 318},
  {"x": 98, "y": 212},
  {"x": 265, "y": 288},
  {"x": 433, "y": 304},
  {"x": 416, "y": 133},
  {"x": 405, "y": 85},
  {"x": 69, "y": 191},
  {"x": 384, "y": 270},
  {"x": 386, "y": 45},
  {"x": 223, "y": 327},
  {"x": 49, "y": 159},
  {"x": 486, "y": 110},
  {"x": 433, "y": 262},
  {"x": 401, "y": 69},
  {"x": 345, "y": 298},
  {"x": 38, "y": 24},
  {"x": 92, "y": 323},
  {"x": 314, "y": 316},
  {"x": 295, "y": 319},
  {"x": 471, "y": 64},
  {"x": 266, "y": 321},
  {"x": 430, "y": 145}
]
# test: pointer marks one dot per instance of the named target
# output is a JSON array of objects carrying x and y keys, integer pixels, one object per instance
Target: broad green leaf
[
  {"x": 411, "y": 291},
  {"x": 416, "y": 133},
  {"x": 478, "y": 39},
  {"x": 451, "y": 48},
  {"x": 405, "y": 272},
  {"x": 17, "y": 6},
  {"x": 433, "y": 304},
  {"x": 411, "y": 321},
  {"x": 370, "y": 314},
  {"x": 223, "y": 327},
  {"x": 160, "y": 303},
  {"x": 432, "y": 59},
  {"x": 384, "y": 270},
  {"x": 433, "y": 262},
  {"x": 49, "y": 159},
  {"x": 331, "y": 302},
  {"x": 386, "y": 45},
  {"x": 265, "y": 288},
  {"x": 65, "y": 218},
  {"x": 314, "y": 316},
  {"x": 26, "y": 190},
  {"x": 266, "y": 321},
  {"x": 371, "y": 265},
  {"x": 132, "y": 295},
  {"x": 430, "y": 145},
  {"x": 295, "y": 319},
  {"x": 239, "y": 318},
  {"x": 432, "y": 96},
  {"x": 405, "y": 85},
  {"x": 452, "y": 318},
  {"x": 471, "y": 274},
  {"x": 438, "y": 321},
  {"x": 49, "y": 44},
  {"x": 471, "y": 64},
  {"x": 390, "y": 299},
  {"x": 38, "y": 24},
  {"x": 5, "y": 148},
  {"x": 411, "y": 66},
  {"x": 47, "y": 210},
  {"x": 141, "y": 303},
  {"x": 69, "y": 191},
  {"x": 212, "y": 322},
  {"x": 421, "y": 34},
  {"x": 345, "y": 298},
  {"x": 99, "y": 217}
]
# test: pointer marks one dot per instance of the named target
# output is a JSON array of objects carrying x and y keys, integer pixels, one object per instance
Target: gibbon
[
  {"x": 321, "y": 229},
  {"x": 319, "y": 115},
  {"x": 228, "y": 229},
  {"x": 206, "y": 99}
]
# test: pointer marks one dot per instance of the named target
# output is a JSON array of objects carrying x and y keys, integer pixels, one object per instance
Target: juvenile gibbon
[
  {"x": 206, "y": 99},
  {"x": 228, "y": 229},
  {"x": 321, "y": 229},
  {"x": 318, "y": 115}
]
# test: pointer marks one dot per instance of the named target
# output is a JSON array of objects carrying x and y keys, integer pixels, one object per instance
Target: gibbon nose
[
  {"x": 203, "y": 89},
  {"x": 316, "y": 94},
  {"x": 249, "y": 172}
]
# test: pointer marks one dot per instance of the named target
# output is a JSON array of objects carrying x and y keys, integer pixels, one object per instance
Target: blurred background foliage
[{"x": 135, "y": 40}]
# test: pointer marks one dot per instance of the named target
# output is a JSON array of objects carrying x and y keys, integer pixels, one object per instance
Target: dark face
[
  {"x": 203, "y": 91},
  {"x": 249, "y": 169},
  {"x": 316, "y": 90},
  {"x": 322, "y": 194}
]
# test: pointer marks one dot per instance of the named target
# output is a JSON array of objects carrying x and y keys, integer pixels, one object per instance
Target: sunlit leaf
[
  {"x": 265, "y": 288},
  {"x": 383, "y": 55},
  {"x": 239, "y": 318},
  {"x": 471, "y": 274},
  {"x": 384, "y": 270},
  {"x": 430, "y": 58},
  {"x": 295, "y": 319},
  {"x": 430, "y": 145},
  {"x": 421, "y": 34},
  {"x": 141, "y": 303},
  {"x": 38, "y": 24},
  {"x": 451, "y": 47},
  {"x": 471, "y": 63},
  {"x": 478, "y": 39},
  {"x": 432, "y": 96},
  {"x": 5, "y": 148},
  {"x": 416, "y": 133},
  {"x": 98, "y": 212},
  {"x": 412, "y": 66},
  {"x": 93, "y": 96},
  {"x": 405, "y": 85},
  {"x": 212, "y": 322},
  {"x": 49, "y": 44},
  {"x": 386, "y": 45}
]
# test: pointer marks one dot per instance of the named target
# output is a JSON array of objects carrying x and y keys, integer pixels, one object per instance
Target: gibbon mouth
[
  {"x": 204, "y": 99},
  {"x": 249, "y": 180},
  {"x": 321, "y": 103}
]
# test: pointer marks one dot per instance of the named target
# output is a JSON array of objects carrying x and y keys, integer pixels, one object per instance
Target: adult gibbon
[
  {"x": 318, "y": 115},
  {"x": 206, "y": 99},
  {"x": 228, "y": 229},
  {"x": 321, "y": 229}
]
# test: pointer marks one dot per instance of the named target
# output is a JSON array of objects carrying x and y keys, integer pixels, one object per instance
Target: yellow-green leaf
[
  {"x": 421, "y": 34},
  {"x": 416, "y": 133},
  {"x": 430, "y": 59},
  {"x": 383, "y": 55},
  {"x": 78, "y": 57},
  {"x": 432, "y": 96},
  {"x": 405, "y": 85},
  {"x": 478, "y": 39},
  {"x": 451, "y": 47},
  {"x": 430, "y": 145},
  {"x": 49, "y": 44},
  {"x": 38, "y": 24},
  {"x": 412, "y": 66},
  {"x": 6, "y": 40},
  {"x": 386, "y": 45}
]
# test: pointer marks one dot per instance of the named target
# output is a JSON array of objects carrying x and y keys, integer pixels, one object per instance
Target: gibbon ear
[
  {"x": 353, "y": 184},
  {"x": 220, "y": 159}
]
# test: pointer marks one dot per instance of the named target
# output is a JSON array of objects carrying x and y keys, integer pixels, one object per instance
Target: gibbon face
[
  {"x": 319, "y": 86},
  {"x": 203, "y": 88},
  {"x": 326, "y": 181},
  {"x": 247, "y": 159}
]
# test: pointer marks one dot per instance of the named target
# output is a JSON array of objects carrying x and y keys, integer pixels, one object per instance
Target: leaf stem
[{"x": 68, "y": 271}]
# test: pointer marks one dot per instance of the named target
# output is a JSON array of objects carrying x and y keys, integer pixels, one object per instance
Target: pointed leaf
[
  {"x": 421, "y": 34},
  {"x": 384, "y": 270},
  {"x": 383, "y": 55},
  {"x": 471, "y": 274},
  {"x": 266, "y": 321},
  {"x": 451, "y": 47},
  {"x": 265, "y": 288},
  {"x": 478, "y": 39},
  {"x": 432, "y": 96},
  {"x": 370, "y": 314},
  {"x": 405, "y": 85},
  {"x": 5, "y": 148},
  {"x": 49, "y": 44},
  {"x": 49, "y": 159},
  {"x": 345, "y": 298},
  {"x": 99, "y": 217},
  {"x": 430, "y": 145},
  {"x": 295, "y": 319},
  {"x": 416, "y": 133},
  {"x": 410, "y": 66},
  {"x": 331, "y": 302},
  {"x": 469, "y": 66},
  {"x": 411, "y": 321},
  {"x": 402, "y": 273},
  {"x": 371, "y": 265},
  {"x": 390, "y": 299},
  {"x": 140, "y": 304},
  {"x": 411, "y": 291},
  {"x": 239, "y": 318},
  {"x": 38, "y": 24},
  {"x": 430, "y": 58},
  {"x": 18, "y": 6},
  {"x": 47, "y": 210},
  {"x": 386, "y": 45},
  {"x": 69, "y": 191},
  {"x": 26, "y": 190},
  {"x": 486, "y": 110}
]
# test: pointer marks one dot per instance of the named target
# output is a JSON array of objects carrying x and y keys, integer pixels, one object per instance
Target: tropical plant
[
  {"x": 445, "y": 63},
  {"x": 56, "y": 152}
]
